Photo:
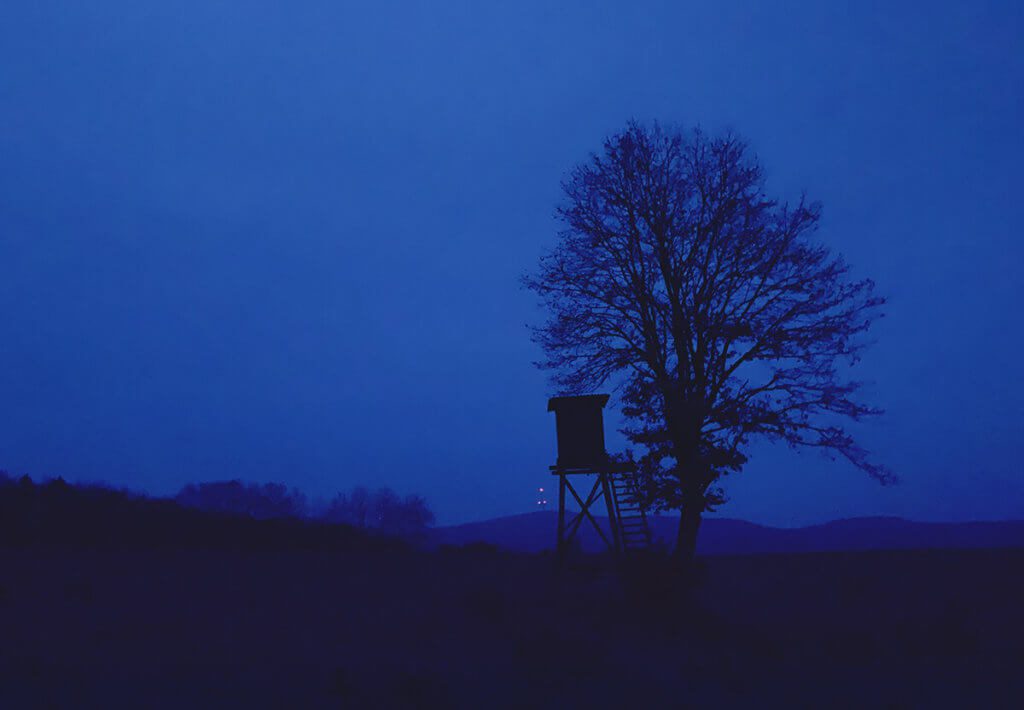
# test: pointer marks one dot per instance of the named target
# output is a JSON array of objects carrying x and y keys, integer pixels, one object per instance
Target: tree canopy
[{"x": 708, "y": 305}]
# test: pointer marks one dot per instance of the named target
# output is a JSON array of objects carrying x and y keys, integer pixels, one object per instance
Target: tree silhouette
[{"x": 708, "y": 306}]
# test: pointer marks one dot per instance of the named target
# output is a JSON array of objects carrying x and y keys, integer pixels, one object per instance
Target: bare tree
[{"x": 709, "y": 308}]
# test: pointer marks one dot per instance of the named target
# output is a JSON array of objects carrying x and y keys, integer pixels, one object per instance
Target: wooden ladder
[{"x": 634, "y": 532}]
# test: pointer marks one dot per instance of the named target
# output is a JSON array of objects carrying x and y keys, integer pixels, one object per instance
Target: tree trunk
[{"x": 689, "y": 524}]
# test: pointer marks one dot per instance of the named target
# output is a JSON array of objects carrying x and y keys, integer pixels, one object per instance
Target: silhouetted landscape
[
  {"x": 525, "y": 354},
  {"x": 112, "y": 599}
]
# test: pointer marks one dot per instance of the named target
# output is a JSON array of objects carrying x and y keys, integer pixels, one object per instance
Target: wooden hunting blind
[{"x": 579, "y": 427}]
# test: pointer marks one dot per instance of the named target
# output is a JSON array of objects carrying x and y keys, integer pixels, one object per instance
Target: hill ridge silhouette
[{"x": 535, "y": 532}]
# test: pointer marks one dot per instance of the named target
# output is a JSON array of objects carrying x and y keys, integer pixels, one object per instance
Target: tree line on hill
[{"x": 381, "y": 510}]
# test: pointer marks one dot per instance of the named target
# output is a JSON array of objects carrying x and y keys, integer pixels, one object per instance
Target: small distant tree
[
  {"x": 416, "y": 514},
  {"x": 360, "y": 504},
  {"x": 386, "y": 504},
  {"x": 710, "y": 308}
]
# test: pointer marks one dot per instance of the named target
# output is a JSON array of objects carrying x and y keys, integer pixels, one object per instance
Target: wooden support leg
[
  {"x": 613, "y": 521},
  {"x": 560, "y": 547}
]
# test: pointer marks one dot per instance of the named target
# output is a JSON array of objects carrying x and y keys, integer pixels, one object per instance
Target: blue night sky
[{"x": 280, "y": 240}]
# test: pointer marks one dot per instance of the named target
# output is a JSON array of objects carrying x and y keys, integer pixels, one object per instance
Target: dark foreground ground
[
  {"x": 111, "y": 600},
  {"x": 305, "y": 627}
]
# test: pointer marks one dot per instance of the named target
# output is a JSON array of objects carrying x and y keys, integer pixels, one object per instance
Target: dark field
[{"x": 166, "y": 626}]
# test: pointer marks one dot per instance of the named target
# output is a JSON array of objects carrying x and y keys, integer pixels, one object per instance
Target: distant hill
[{"x": 533, "y": 532}]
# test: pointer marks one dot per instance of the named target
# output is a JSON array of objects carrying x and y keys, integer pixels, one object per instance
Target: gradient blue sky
[{"x": 280, "y": 240}]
